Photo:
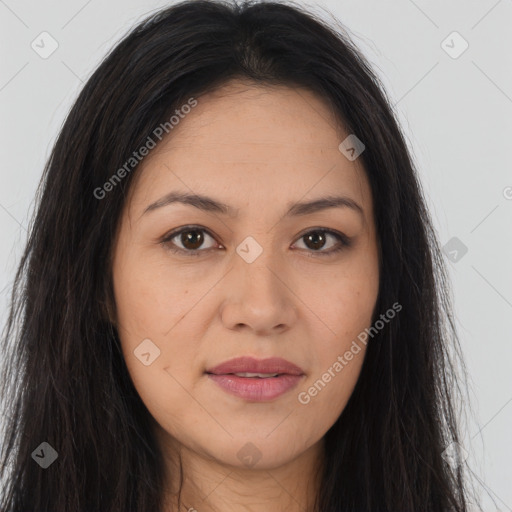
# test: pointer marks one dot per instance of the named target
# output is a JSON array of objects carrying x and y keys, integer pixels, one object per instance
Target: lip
[
  {"x": 255, "y": 388},
  {"x": 253, "y": 365}
]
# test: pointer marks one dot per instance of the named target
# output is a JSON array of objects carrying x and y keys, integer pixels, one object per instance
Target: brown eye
[
  {"x": 192, "y": 239},
  {"x": 317, "y": 239},
  {"x": 188, "y": 240}
]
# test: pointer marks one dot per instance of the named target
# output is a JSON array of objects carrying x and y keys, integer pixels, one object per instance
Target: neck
[{"x": 210, "y": 486}]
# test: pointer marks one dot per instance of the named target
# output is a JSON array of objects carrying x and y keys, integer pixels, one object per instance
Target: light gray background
[{"x": 456, "y": 113}]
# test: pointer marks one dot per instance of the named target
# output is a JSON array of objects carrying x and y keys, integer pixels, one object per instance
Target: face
[{"x": 197, "y": 284}]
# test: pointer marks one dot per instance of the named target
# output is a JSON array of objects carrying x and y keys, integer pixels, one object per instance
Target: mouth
[
  {"x": 255, "y": 375},
  {"x": 250, "y": 367},
  {"x": 256, "y": 380}
]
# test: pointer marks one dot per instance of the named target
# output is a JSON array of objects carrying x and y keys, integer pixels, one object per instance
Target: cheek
[
  {"x": 149, "y": 298},
  {"x": 338, "y": 359},
  {"x": 339, "y": 354},
  {"x": 151, "y": 308},
  {"x": 148, "y": 315},
  {"x": 345, "y": 303},
  {"x": 324, "y": 396}
]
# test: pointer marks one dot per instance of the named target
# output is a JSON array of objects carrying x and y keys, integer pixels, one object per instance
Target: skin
[{"x": 260, "y": 150}]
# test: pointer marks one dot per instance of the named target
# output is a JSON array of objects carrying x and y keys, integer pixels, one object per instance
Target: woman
[{"x": 232, "y": 296}]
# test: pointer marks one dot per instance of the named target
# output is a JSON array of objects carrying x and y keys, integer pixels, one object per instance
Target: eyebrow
[{"x": 208, "y": 204}]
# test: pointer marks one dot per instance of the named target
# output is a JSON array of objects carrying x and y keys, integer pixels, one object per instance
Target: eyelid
[
  {"x": 343, "y": 240},
  {"x": 166, "y": 239},
  {"x": 338, "y": 234}
]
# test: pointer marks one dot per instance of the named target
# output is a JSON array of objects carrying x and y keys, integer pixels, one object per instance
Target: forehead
[
  {"x": 245, "y": 141},
  {"x": 240, "y": 118}
]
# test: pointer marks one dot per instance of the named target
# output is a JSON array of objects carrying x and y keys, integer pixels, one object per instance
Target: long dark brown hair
[{"x": 64, "y": 380}]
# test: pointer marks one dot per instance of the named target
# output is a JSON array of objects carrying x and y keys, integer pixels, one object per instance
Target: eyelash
[{"x": 344, "y": 241}]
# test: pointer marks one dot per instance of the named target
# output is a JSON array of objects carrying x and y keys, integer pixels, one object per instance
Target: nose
[{"x": 259, "y": 296}]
